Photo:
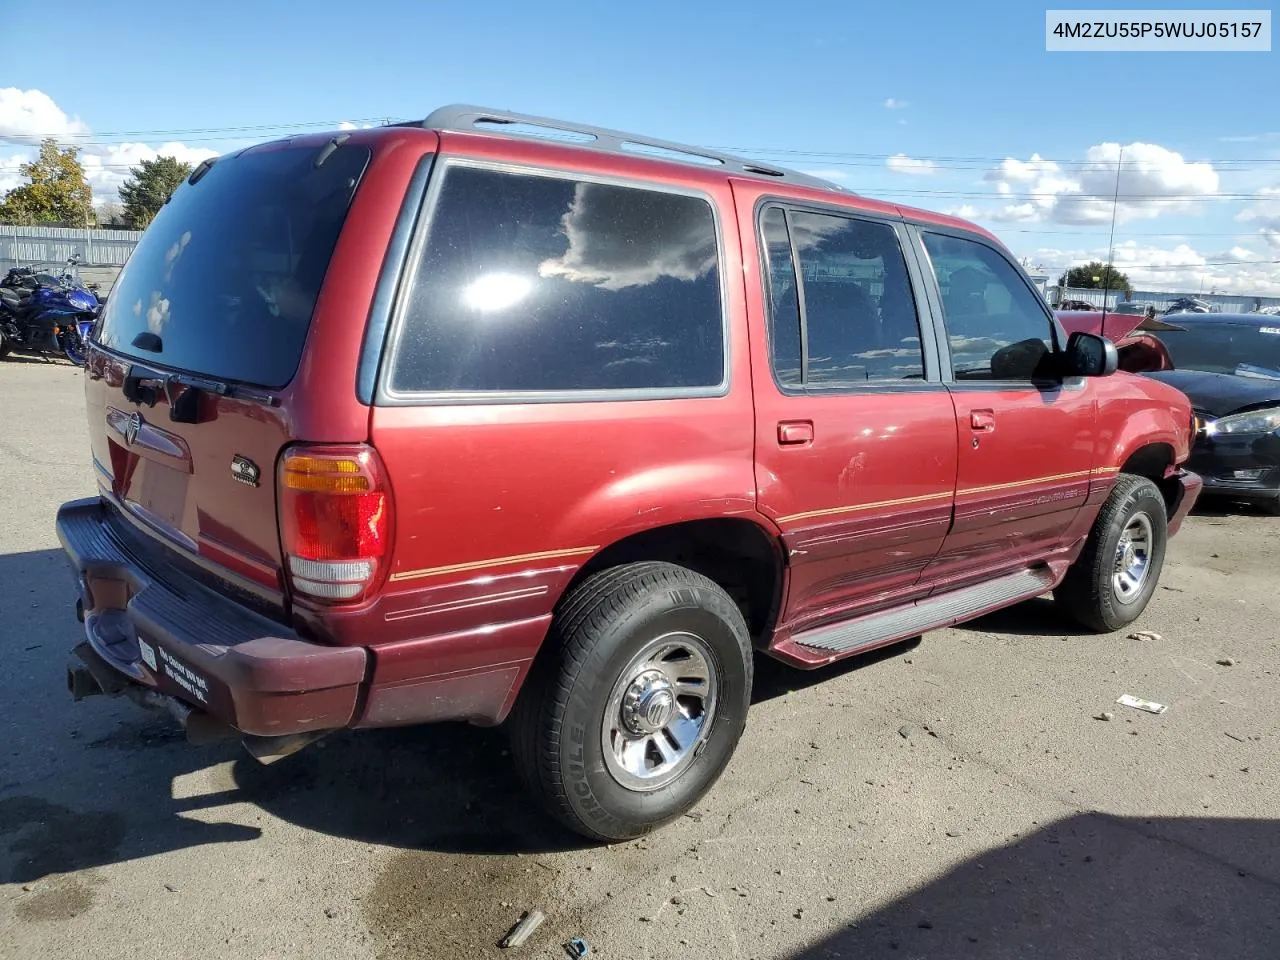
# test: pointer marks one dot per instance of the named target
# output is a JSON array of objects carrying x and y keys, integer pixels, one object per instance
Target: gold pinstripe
[
  {"x": 473, "y": 565},
  {"x": 925, "y": 498},
  {"x": 1026, "y": 483},
  {"x": 487, "y": 564},
  {"x": 831, "y": 511}
]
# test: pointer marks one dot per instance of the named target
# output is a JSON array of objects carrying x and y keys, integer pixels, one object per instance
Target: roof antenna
[{"x": 1111, "y": 245}]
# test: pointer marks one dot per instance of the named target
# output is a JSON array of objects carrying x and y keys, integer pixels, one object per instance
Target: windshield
[
  {"x": 225, "y": 279},
  {"x": 1239, "y": 348}
]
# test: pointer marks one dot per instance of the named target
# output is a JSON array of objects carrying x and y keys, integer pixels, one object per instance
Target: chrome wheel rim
[
  {"x": 1133, "y": 558},
  {"x": 660, "y": 712}
]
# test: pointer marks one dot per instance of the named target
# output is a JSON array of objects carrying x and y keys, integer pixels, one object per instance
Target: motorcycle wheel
[{"x": 72, "y": 347}]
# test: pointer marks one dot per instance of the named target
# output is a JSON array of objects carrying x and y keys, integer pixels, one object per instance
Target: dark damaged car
[{"x": 1228, "y": 365}]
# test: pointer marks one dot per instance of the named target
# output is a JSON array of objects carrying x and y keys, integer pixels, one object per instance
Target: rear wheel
[
  {"x": 633, "y": 712},
  {"x": 1112, "y": 581}
]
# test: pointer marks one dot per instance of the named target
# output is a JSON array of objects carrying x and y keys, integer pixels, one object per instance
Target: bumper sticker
[{"x": 184, "y": 676}]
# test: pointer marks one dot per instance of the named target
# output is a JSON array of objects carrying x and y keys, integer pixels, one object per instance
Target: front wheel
[
  {"x": 1112, "y": 581},
  {"x": 635, "y": 708},
  {"x": 73, "y": 348}
]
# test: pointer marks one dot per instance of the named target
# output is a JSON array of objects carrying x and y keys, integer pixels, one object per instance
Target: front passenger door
[{"x": 1026, "y": 435}]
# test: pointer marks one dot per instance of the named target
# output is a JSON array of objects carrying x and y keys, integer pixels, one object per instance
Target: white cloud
[
  {"x": 1265, "y": 216},
  {"x": 1153, "y": 181},
  {"x": 893, "y": 103},
  {"x": 966, "y": 211},
  {"x": 27, "y": 116},
  {"x": 349, "y": 125},
  {"x": 901, "y": 163},
  {"x": 1178, "y": 268},
  {"x": 106, "y": 166},
  {"x": 9, "y": 176}
]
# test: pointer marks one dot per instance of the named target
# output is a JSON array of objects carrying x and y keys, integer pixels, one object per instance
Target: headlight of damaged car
[{"x": 1251, "y": 421}]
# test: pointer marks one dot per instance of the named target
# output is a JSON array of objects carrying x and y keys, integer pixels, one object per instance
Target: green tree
[
  {"x": 149, "y": 186},
  {"x": 55, "y": 194},
  {"x": 1095, "y": 275}
]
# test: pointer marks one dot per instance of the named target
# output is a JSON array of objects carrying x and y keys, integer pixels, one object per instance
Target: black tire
[
  {"x": 1271, "y": 507},
  {"x": 558, "y": 736},
  {"x": 1089, "y": 593}
]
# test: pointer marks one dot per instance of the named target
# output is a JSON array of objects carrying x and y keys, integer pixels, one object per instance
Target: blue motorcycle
[{"x": 43, "y": 313}]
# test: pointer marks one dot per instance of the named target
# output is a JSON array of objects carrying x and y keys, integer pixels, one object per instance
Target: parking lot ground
[{"x": 952, "y": 798}]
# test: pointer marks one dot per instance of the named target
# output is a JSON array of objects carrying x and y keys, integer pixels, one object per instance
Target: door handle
[
  {"x": 794, "y": 433},
  {"x": 983, "y": 421}
]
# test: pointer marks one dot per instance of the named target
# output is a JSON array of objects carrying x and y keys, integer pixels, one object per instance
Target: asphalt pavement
[{"x": 951, "y": 798}]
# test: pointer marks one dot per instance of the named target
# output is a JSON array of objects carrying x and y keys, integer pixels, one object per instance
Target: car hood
[
  {"x": 1219, "y": 394},
  {"x": 1118, "y": 325}
]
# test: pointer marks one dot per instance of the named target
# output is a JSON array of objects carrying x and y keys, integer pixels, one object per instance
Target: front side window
[
  {"x": 852, "y": 307},
  {"x": 996, "y": 327},
  {"x": 533, "y": 283}
]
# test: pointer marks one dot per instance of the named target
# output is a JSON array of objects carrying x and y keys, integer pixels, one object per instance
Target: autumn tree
[
  {"x": 1095, "y": 275},
  {"x": 149, "y": 186},
  {"x": 55, "y": 194}
]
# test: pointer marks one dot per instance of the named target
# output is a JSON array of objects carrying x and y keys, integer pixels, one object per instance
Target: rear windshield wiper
[{"x": 184, "y": 390}]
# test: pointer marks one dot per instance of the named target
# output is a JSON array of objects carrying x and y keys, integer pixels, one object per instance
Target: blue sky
[{"x": 944, "y": 105}]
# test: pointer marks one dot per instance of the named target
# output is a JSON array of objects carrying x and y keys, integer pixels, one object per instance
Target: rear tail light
[{"x": 335, "y": 521}]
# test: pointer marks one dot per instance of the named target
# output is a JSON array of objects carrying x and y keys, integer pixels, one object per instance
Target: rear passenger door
[
  {"x": 855, "y": 432},
  {"x": 1026, "y": 434}
]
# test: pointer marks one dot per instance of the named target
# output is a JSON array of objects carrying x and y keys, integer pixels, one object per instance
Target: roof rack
[{"x": 464, "y": 118}]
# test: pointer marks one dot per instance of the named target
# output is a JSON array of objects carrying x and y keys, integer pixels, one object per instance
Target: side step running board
[{"x": 941, "y": 610}]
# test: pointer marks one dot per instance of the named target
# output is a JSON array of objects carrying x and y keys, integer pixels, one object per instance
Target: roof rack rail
[{"x": 463, "y": 118}]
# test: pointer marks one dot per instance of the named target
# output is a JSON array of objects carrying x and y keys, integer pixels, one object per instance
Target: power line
[
  {"x": 835, "y": 157},
  {"x": 83, "y": 139}
]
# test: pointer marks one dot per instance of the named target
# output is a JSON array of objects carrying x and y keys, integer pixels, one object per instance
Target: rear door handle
[
  {"x": 983, "y": 421},
  {"x": 795, "y": 433}
]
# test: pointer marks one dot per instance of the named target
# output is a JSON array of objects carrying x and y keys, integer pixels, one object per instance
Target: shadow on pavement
[
  {"x": 775, "y": 679},
  {"x": 1031, "y": 618},
  {"x": 91, "y": 783},
  {"x": 1091, "y": 886}
]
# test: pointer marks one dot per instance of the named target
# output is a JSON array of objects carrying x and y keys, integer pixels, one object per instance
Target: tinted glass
[
  {"x": 226, "y": 277},
  {"x": 997, "y": 327},
  {"x": 784, "y": 321},
  {"x": 538, "y": 283},
  {"x": 859, "y": 314},
  {"x": 1224, "y": 347}
]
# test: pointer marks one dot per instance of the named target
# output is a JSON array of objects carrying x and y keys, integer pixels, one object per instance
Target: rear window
[
  {"x": 1223, "y": 347},
  {"x": 539, "y": 283},
  {"x": 224, "y": 281}
]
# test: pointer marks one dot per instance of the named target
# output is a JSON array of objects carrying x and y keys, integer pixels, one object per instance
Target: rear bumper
[
  {"x": 161, "y": 629},
  {"x": 1189, "y": 487}
]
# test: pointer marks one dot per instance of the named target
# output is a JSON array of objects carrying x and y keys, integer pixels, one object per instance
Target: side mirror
[{"x": 1089, "y": 355}]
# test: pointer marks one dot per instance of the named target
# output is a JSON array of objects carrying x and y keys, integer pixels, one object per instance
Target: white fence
[{"x": 102, "y": 252}]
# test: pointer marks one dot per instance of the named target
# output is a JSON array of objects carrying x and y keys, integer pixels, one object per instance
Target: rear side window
[
  {"x": 535, "y": 283},
  {"x": 997, "y": 327},
  {"x": 851, "y": 318},
  {"x": 225, "y": 279}
]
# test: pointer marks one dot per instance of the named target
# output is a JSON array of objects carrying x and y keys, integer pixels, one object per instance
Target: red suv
[{"x": 455, "y": 420}]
